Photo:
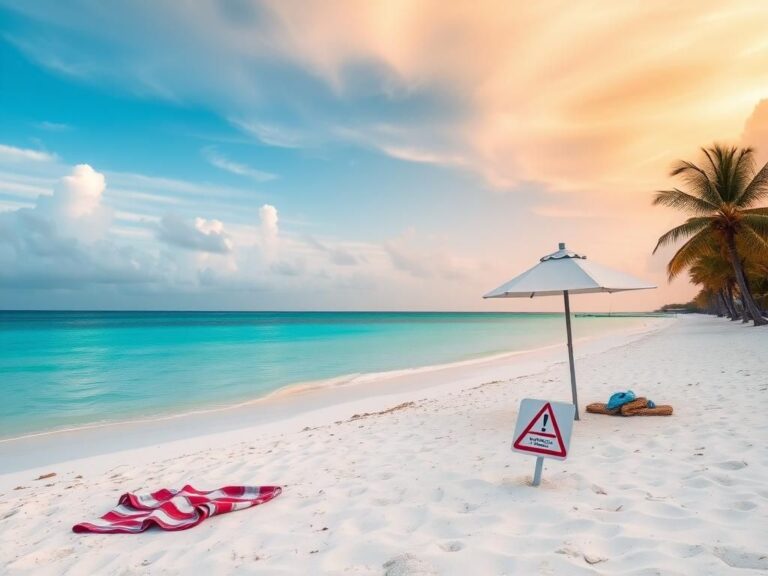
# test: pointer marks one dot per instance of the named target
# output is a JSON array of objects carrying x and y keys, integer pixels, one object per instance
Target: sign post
[
  {"x": 537, "y": 471},
  {"x": 543, "y": 430}
]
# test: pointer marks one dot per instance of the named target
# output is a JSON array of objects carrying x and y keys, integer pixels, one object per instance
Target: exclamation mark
[{"x": 544, "y": 427}]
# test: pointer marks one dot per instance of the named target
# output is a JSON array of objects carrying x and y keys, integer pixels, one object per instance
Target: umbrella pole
[{"x": 570, "y": 351}]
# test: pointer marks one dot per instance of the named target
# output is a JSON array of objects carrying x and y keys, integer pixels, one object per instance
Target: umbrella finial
[{"x": 561, "y": 253}]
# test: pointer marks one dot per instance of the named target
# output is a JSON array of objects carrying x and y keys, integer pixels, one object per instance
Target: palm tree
[
  {"x": 721, "y": 197},
  {"x": 757, "y": 276},
  {"x": 715, "y": 274},
  {"x": 706, "y": 301}
]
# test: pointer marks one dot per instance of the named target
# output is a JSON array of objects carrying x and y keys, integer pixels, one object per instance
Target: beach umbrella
[{"x": 566, "y": 272}]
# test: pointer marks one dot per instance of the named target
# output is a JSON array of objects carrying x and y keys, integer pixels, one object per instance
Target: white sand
[{"x": 432, "y": 488}]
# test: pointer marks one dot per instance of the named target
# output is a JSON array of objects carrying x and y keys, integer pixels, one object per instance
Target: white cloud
[
  {"x": 13, "y": 154},
  {"x": 166, "y": 186},
  {"x": 77, "y": 246},
  {"x": 21, "y": 189},
  {"x": 72, "y": 249},
  {"x": 53, "y": 126},
  {"x": 75, "y": 208},
  {"x": 271, "y": 135},
  {"x": 419, "y": 156},
  {"x": 268, "y": 219},
  {"x": 199, "y": 234},
  {"x": 269, "y": 231},
  {"x": 61, "y": 241},
  {"x": 79, "y": 194},
  {"x": 220, "y": 161}
]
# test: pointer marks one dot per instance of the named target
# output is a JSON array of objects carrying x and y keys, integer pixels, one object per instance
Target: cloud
[
  {"x": 162, "y": 195},
  {"x": 571, "y": 114},
  {"x": 268, "y": 219},
  {"x": 181, "y": 188},
  {"x": 271, "y": 135},
  {"x": 338, "y": 255},
  {"x": 525, "y": 95},
  {"x": 220, "y": 161},
  {"x": 425, "y": 258},
  {"x": 199, "y": 234},
  {"x": 61, "y": 241},
  {"x": 269, "y": 230},
  {"x": 756, "y": 131},
  {"x": 75, "y": 208},
  {"x": 53, "y": 126},
  {"x": 21, "y": 189},
  {"x": 79, "y": 194},
  {"x": 422, "y": 156},
  {"x": 74, "y": 246},
  {"x": 38, "y": 257},
  {"x": 13, "y": 154},
  {"x": 289, "y": 268}
]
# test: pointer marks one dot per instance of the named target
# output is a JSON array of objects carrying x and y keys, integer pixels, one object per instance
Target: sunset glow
[{"x": 414, "y": 154}]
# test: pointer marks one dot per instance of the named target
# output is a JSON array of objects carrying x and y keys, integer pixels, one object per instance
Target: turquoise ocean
[{"x": 68, "y": 369}]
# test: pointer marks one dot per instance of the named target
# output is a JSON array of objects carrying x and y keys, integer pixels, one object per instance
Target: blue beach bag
[{"x": 619, "y": 399}]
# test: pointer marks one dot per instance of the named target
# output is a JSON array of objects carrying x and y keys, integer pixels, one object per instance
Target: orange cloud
[
  {"x": 756, "y": 131},
  {"x": 577, "y": 96}
]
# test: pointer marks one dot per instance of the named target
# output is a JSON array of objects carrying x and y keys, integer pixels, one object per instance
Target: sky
[{"x": 398, "y": 155}]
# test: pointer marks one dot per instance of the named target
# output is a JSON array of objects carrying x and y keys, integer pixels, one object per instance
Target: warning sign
[{"x": 544, "y": 428}]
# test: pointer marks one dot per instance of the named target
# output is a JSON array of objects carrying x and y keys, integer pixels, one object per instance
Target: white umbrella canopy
[{"x": 566, "y": 272}]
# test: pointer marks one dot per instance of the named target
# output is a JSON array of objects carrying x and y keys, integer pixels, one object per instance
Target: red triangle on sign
[{"x": 541, "y": 442}]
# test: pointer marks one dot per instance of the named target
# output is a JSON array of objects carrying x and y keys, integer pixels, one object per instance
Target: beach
[
  {"x": 413, "y": 473},
  {"x": 383, "y": 288}
]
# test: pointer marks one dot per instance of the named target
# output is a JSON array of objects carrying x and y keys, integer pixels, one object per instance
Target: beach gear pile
[
  {"x": 627, "y": 404},
  {"x": 176, "y": 509}
]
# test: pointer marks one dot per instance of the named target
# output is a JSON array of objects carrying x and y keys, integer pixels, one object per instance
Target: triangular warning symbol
[{"x": 542, "y": 435}]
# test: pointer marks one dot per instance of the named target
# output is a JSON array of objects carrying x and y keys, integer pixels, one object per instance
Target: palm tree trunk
[
  {"x": 722, "y": 308},
  {"x": 750, "y": 308},
  {"x": 746, "y": 316},
  {"x": 730, "y": 303}
]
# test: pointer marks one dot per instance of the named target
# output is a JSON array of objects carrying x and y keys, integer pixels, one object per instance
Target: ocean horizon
[{"x": 66, "y": 369}]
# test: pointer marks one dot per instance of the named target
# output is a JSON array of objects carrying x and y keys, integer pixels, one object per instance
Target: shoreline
[
  {"x": 331, "y": 383},
  {"x": 296, "y": 388},
  {"x": 290, "y": 403}
]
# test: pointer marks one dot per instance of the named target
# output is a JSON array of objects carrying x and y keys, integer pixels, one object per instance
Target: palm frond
[
  {"x": 683, "y": 201},
  {"x": 701, "y": 243},
  {"x": 724, "y": 158},
  {"x": 761, "y": 210},
  {"x": 689, "y": 228},
  {"x": 743, "y": 170},
  {"x": 756, "y": 190},
  {"x": 729, "y": 169},
  {"x": 752, "y": 250},
  {"x": 758, "y": 223},
  {"x": 698, "y": 181},
  {"x": 754, "y": 242},
  {"x": 715, "y": 157},
  {"x": 711, "y": 270},
  {"x": 713, "y": 167}
]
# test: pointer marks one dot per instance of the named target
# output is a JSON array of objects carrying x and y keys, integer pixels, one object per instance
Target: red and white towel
[{"x": 176, "y": 509}]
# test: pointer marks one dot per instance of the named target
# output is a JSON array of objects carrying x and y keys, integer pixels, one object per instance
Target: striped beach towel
[{"x": 176, "y": 509}]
